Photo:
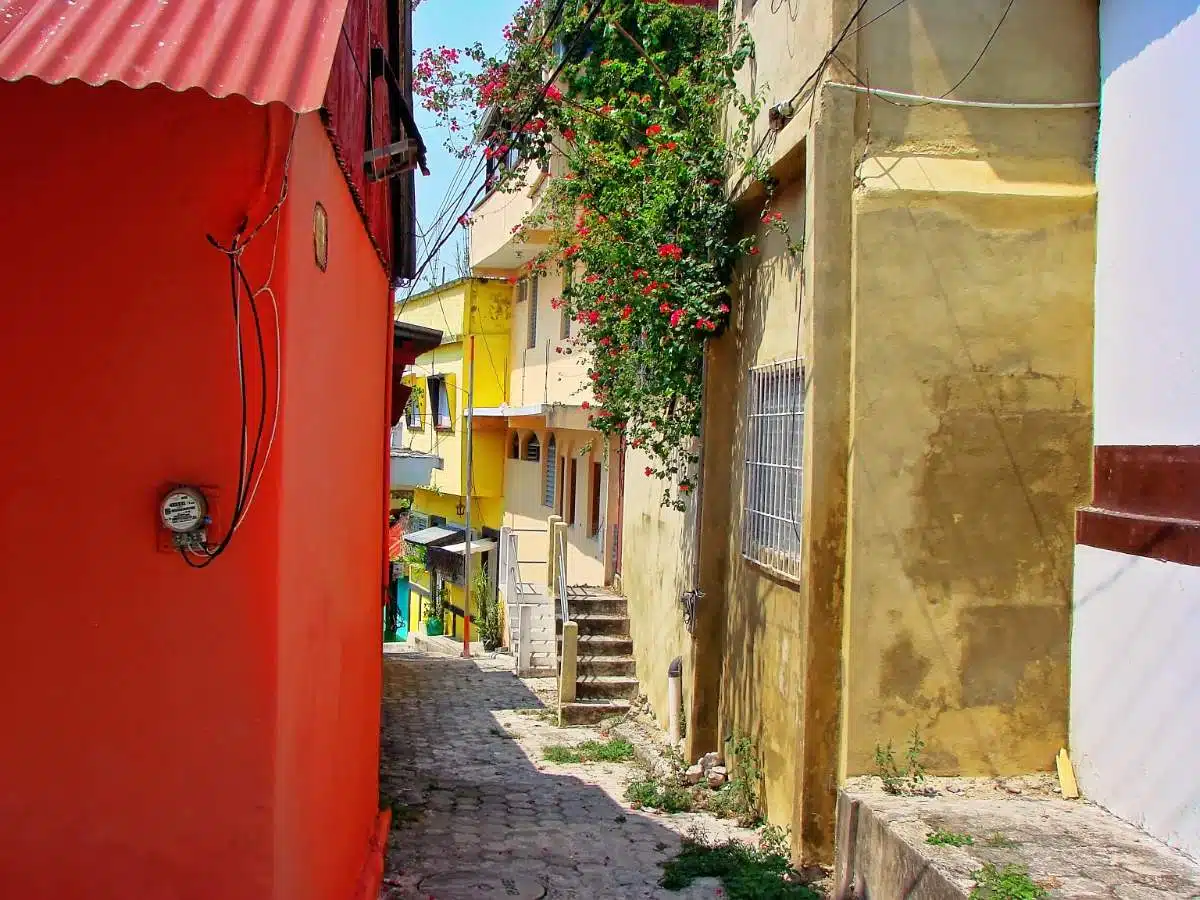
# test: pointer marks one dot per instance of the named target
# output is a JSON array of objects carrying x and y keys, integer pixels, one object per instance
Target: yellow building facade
[
  {"x": 473, "y": 315},
  {"x": 930, "y": 348}
]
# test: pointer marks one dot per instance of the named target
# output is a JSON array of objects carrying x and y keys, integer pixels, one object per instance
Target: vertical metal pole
[{"x": 466, "y": 651}]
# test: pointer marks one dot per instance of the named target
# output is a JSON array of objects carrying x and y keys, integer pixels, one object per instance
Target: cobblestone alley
[{"x": 479, "y": 813}]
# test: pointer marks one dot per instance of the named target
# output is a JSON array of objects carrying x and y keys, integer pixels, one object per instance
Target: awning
[
  {"x": 483, "y": 545},
  {"x": 430, "y": 536}
]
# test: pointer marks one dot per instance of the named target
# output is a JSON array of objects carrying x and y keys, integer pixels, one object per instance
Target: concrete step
[
  {"x": 595, "y": 624},
  {"x": 606, "y": 687},
  {"x": 599, "y": 604},
  {"x": 591, "y": 712},
  {"x": 594, "y": 645},
  {"x": 587, "y": 666}
]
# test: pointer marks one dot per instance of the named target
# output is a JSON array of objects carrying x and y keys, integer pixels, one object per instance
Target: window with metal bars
[
  {"x": 551, "y": 474},
  {"x": 531, "y": 292},
  {"x": 774, "y": 457}
]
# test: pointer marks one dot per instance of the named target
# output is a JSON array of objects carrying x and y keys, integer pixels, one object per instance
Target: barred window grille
[
  {"x": 551, "y": 475},
  {"x": 774, "y": 455},
  {"x": 531, "y": 291}
]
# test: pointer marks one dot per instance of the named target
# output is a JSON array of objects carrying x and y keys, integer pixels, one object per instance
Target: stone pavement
[{"x": 480, "y": 814}]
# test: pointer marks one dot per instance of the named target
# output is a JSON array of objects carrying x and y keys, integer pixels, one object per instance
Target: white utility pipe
[{"x": 674, "y": 698}]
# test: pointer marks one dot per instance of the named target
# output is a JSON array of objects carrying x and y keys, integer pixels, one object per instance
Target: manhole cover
[{"x": 469, "y": 885}]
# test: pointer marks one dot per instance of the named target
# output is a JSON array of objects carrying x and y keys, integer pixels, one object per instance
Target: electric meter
[{"x": 184, "y": 510}]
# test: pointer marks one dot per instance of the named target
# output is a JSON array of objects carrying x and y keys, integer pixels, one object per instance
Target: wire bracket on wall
[{"x": 690, "y": 600}]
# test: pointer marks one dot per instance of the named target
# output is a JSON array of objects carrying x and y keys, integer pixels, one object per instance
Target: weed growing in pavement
[
  {"x": 739, "y": 798},
  {"x": 614, "y": 750},
  {"x": 897, "y": 780},
  {"x": 944, "y": 838},
  {"x": 1008, "y": 883},
  {"x": 669, "y": 798},
  {"x": 1000, "y": 841},
  {"x": 747, "y": 872}
]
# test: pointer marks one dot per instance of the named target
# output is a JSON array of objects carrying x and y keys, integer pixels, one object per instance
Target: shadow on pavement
[{"x": 475, "y": 817}]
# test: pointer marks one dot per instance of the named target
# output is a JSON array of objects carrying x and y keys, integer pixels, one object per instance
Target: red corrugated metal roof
[{"x": 264, "y": 50}]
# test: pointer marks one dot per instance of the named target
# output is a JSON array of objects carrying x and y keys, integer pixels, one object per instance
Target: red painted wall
[
  {"x": 337, "y": 336},
  {"x": 172, "y": 733}
]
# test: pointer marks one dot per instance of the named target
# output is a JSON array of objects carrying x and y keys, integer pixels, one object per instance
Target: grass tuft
[
  {"x": 944, "y": 838},
  {"x": 747, "y": 872},
  {"x": 1008, "y": 883},
  {"x": 615, "y": 750}
]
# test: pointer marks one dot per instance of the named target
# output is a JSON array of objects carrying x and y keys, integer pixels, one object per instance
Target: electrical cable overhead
[{"x": 538, "y": 99}]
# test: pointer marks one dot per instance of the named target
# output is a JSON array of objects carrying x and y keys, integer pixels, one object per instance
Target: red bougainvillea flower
[
  {"x": 512, "y": 279},
  {"x": 604, "y": 342},
  {"x": 669, "y": 145},
  {"x": 754, "y": 251},
  {"x": 569, "y": 134},
  {"x": 606, "y": 109},
  {"x": 685, "y": 487},
  {"x": 592, "y": 279},
  {"x": 635, "y": 443},
  {"x": 649, "y": 471},
  {"x": 593, "y": 317},
  {"x": 653, "y": 130},
  {"x": 553, "y": 94},
  {"x": 570, "y": 251},
  {"x": 583, "y": 197},
  {"x": 676, "y": 317},
  {"x": 626, "y": 312},
  {"x": 664, "y": 307},
  {"x": 772, "y": 216},
  {"x": 674, "y": 251},
  {"x": 558, "y": 349},
  {"x": 555, "y": 302},
  {"x": 723, "y": 308},
  {"x": 584, "y": 231},
  {"x": 606, "y": 62},
  {"x": 639, "y": 273},
  {"x": 593, "y": 375},
  {"x": 635, "y": 162},
  {"x": 585, "y": 405}
]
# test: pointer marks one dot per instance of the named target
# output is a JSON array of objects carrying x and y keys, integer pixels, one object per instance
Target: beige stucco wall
[
  {"x": 658, "y": 562},
  {"x": 525, "y": 510},
  {"x": 553, "y": 370}
]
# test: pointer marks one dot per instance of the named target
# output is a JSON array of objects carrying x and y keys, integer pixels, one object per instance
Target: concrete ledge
[
  {"x": 442, "y": 645},
  {"x": 1074, "y": 849}
]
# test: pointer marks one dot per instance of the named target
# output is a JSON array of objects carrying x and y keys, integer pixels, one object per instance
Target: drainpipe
[{"x": 674, "y": 698}]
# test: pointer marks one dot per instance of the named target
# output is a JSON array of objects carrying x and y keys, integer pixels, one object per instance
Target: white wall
[
  {"x": 1135, "y": 691},
  {"x": 1148, "y": 270},
  {"x": 1135, "y": 666}
]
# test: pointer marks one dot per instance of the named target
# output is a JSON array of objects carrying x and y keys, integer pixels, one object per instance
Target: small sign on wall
[{"x": 321, "y": 236}]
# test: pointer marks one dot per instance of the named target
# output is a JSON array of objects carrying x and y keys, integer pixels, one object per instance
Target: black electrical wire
[{"x": 246, "y": 474}]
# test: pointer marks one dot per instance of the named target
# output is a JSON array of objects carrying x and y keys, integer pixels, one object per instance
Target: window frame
[
  {"x": 564, "y": 325},
  {"x": 773, "y": 467},
  {"x": 436, "y": 396},
  {"x": 595, "y": 486}
]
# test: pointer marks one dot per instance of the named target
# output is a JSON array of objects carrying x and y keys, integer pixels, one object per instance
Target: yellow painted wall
[
  {"x": 942, "y": 307},
  {"x": 466, "y": 309}
]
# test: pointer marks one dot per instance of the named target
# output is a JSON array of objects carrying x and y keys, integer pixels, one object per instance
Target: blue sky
[{"x": 451, "y": 23}]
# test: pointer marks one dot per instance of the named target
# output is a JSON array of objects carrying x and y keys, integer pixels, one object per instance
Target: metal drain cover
[{"x": 471, "y": 885}]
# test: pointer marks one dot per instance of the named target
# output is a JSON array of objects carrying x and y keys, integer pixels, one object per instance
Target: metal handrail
[{"x": 560, "y": 552}]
